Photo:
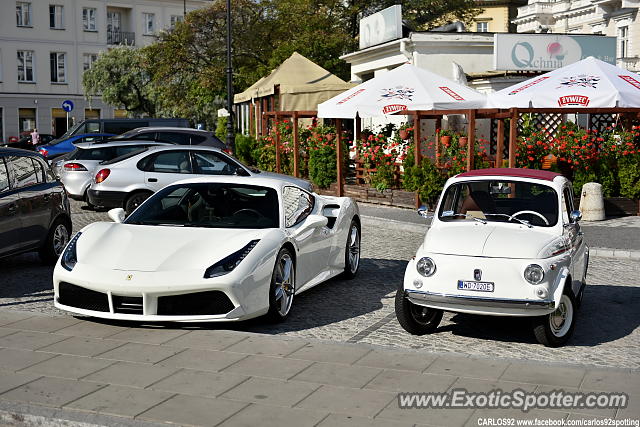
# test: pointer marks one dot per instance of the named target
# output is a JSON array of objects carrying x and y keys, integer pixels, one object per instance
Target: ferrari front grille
[
  {"x": 195, "y": 304},
  {"x": 78, "y": 297},
  {"x": 127, "y": 305}
]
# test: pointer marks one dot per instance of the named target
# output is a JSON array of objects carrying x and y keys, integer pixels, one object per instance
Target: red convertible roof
[{"x": 521, "y": 173}]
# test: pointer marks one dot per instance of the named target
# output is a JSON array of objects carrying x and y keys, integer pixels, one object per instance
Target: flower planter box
[{"x": 362, "y": 193}]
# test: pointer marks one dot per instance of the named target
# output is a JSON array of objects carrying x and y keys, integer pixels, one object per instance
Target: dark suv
[{"x": 34, "y": 209}]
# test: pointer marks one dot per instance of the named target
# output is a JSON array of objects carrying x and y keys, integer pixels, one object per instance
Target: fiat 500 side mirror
[
  {"x": 575, "y": 216},
  {"x": 423, "y": 211}
]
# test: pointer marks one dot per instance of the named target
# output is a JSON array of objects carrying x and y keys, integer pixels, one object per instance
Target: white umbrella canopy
[
  {"x": 589, "y": 83},
  {"x": 404, "y": 88}
]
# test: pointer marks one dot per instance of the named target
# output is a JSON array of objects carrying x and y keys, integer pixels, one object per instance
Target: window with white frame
[
  {"x": 623, "y": 42},
  {"x": 482, "y": 27},
  {"x": 58, "y": 67},
  {"x": 175, "y": 19},
  {"x": 88, "y": 59},
  {"x": 23, "y": 14},
  {"x": 56, "y": 16},
  {"x": 25, "y": 66},
  {"x": 89, "y": 18},
  {"x": 149, "y": 23}
]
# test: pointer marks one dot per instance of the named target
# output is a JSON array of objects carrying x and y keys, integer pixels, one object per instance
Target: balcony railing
[{"x": 121, "y": 37}]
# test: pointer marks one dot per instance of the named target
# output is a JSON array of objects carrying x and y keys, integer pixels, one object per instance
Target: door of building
[{"x": 59, "y": 117}]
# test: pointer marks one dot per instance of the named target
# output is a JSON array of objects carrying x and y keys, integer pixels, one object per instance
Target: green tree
[{"x": 120, "y": 77}]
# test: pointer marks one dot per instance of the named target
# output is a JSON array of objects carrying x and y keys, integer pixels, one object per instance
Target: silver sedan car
[
  {"x": 125, "y": 182},
  {"x": 77, "y": 170}
]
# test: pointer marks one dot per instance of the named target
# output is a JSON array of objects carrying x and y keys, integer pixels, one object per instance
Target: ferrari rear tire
[
  {"x": 283, "y": 286},
  {"x": 352, "y": 251},
  {"x": 555, "y": 329},
  {"x": 416, "y": 319}
]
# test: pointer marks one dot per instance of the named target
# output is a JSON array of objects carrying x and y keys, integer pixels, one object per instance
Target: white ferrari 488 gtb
[{"x": 209, "y": 249}]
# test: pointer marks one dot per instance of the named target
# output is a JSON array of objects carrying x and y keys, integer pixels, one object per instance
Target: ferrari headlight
[
  {"x": 229, "y": 263},
  {"x": 426, "y": 266},
  {"x": 69, "y": 256},
  {"x": 534, "y": 274}
]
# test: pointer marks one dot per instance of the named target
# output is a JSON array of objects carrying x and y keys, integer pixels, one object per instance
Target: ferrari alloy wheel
[
  {"x": 555, "y": 329},
  {"x": 55, "y": 243},
  {"x": 283, "y": 286},
  {"x": 416, "y": 319},
  {"x": 352, "y": 251}
]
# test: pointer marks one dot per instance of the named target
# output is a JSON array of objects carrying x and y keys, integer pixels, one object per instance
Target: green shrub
[
  {"x": 629, "y": 174},
  {"x": 603, "y": 172},
  {"x": 322, "y": 165},
  {"x": 221, "y": 129},
  {"x": 426, "y": 179},
  {"x": 245, "y": 146}
]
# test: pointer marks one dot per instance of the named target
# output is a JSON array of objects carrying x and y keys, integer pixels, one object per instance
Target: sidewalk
[
  {"x": 63, "y": 368},
  {"x": 613, "y": 237}
]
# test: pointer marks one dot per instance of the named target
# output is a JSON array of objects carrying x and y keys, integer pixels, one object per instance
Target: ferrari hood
[
  {"x": 159, "y": 248},
  {"x": 495, "y": 241}
]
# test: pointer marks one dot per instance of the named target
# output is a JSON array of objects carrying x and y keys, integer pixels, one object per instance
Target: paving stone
[
  {"x": 481, "y": 415},
  {"x": 484, "y": 386},
  {"x": 6, "y": 331},
  {"x": 91, "y": 329},
  {"x": 338, "y": 374},
  {"x": 144, "y": 353},
  {"x": 199, "y": 383},
  {"x": 398, "y": 360},
  {"x": 207, "y": 339},
  {"x": 405, "y": 381},
  {"x": 269, "y": 367},
  {"x": 610, "y": 380},
  {"x": 266, "y": 391},
  {"x": 335, "y": 353},
  {"x": 428, "y": 416},
  {"x": 587, "y": 411},
  {"x": 147, "y": 335},
  {"x": 118, "y": 400},
  {"x": 271, "y": 416},
  {"x": 44, "y": 323},
  {"x": 204, "y": 360},
  {"x": 544, "y": 374},
  {"x": 339, "y": 420},
  {"x": 349, "y": 401},
  {"x": 51, "y": 391},
  {"x": 29, "y": 340},
  {"x": 9, "y": 380},
  {"x": 266, "y": 346},
  {"x": 14, "y": 360},
  {"x": 63, "y": 366},
  {"x": 191, "y": 410},
  {"x": 471, "y": 367},
  {"x": 131, "y": 374},
  {"x": 81, "y": 346},
  {"x": 7, "y": 317}
]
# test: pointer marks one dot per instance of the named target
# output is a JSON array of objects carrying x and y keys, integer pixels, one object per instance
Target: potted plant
[
  {"x": 445, "y": 136},
  {"x": 405, "y": 131}
]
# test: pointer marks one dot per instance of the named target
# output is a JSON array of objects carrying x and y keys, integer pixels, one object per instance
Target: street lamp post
[
  {"x": 230, "y": 128},
  {"x": 184, "y": 5}
]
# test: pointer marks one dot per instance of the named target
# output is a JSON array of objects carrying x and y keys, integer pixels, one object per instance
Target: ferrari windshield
[
  {"x": 210, "y": 205},
  {"x": 504, "y": 201}
]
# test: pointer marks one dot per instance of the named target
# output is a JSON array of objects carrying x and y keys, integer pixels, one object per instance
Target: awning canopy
[
  {"x": 302, "y": 85},
  {"x": 589, "y": 83},
  {"x": 404, "y": 88}
]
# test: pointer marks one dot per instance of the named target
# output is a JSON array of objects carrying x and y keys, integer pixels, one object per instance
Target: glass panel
[
  {"x": 25, "y": 173},
  {"x": 171, "y": 162},
  {"x": 297, "y": 205},
  {"x": 211, "y": 164},
  {"x": 4, "y": 176}
]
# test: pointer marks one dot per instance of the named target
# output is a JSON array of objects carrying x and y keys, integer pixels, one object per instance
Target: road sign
[{"x": 67, "y": 105}]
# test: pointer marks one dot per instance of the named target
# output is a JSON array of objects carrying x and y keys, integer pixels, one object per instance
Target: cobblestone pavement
[{"x": 361, "y": 310}]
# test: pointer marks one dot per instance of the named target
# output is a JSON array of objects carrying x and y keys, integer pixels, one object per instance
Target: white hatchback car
[
  {"x": 503, "y": 242},
  {"x": 127, "y": 181}
]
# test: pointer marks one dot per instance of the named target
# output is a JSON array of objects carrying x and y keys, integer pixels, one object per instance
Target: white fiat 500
[{"x": 503, "y": 242}]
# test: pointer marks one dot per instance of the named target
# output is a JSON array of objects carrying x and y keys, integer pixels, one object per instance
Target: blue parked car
[{"x": 59, "y": 147}]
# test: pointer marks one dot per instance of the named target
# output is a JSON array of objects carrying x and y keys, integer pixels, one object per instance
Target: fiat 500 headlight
[
  {"x": 228, "y": 264},
  {"x": 534, "y": 274},
  {"x": 426, "y": 266}
]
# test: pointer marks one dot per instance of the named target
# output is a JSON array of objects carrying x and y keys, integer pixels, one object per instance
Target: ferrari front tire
[
  {"x": 352, "y": 251},
  {"x": 283, "y": 286},
  {"x": 416, "y": 319}
]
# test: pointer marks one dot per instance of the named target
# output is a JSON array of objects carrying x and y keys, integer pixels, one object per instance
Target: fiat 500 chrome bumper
[{"x": 425, "y": 298}]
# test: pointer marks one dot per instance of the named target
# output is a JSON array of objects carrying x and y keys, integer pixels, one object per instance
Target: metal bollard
[{"x": 591, "y": 202}]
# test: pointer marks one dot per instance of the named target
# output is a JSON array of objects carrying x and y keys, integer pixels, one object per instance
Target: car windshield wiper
[
  {"x": 452, "y": 214},
  {"x": 521, "y": 221}
]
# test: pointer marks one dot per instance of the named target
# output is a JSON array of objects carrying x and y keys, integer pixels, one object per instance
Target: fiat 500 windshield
[
  {"x": 501, "y": 201},
  {"x": 210, "y": 205}
]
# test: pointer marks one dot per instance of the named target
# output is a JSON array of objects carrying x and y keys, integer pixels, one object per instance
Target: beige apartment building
[
  {"x": 46, "y": 45},
  {"x": 617, "y": 18},
  {"x": 496, "y": 16}
]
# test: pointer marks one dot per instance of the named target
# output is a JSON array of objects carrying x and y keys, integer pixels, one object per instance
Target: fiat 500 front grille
[
  {"x": 78, "y": 297},
  {"x": 198, "y": 303}
]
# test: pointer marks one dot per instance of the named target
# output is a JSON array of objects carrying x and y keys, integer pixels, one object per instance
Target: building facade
[
  {"x": 45, "y": 47},
  {"x": 496, "y": 16},
  {"x": 617, "y": 18}
]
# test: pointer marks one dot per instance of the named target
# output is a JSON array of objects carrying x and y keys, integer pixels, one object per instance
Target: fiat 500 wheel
[
  {"x": 283, "y": 286},
  {"x": 352, "y": 251},
  {"x": 416, "y": 319},
  {"x": 555, "y": 329}
]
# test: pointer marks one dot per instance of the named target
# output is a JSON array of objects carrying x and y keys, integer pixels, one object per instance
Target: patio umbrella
[
  {"x": 588, "y": 83},
  {"x": 404, "y": 88}
]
